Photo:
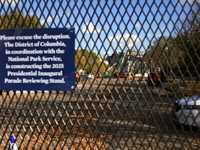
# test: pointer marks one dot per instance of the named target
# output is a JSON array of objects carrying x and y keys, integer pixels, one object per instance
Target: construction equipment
[
  {"x": 81, "y": 76},
  {"x": 129, "y": 62},
  {"x": 121, "y": 59},
  {"x": 107, "y": 75}
]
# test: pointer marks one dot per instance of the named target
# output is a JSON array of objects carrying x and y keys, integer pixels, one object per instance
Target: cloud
[
  {"x": 137, "y": 25},
  {"x": 149, "y": 35},
  {"x": 7, "y": 2},
  {"x": 50, "y": 18},
  {"x": 189, "y": 1},
  {"x": 91, "y": 28},
  {"x": 163, "y": 28},
  {"x": 108, "y": 53},
  {"x": 122, "y": 39},
  {"x": 95, "y": 42},
  {"x": 92, "y": 43},
  {"x": 76, "y": 28}
]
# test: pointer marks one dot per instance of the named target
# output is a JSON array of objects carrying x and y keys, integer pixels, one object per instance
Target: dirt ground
[{"x": 118, "y": 114}]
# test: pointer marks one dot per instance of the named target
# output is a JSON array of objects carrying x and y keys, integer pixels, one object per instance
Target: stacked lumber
[
  {"x": 162, "y": 92},
  {"x": 176, "y": 87}
]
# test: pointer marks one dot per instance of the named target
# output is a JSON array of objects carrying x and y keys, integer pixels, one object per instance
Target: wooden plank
[
  {"x": 171, "y": 86},
  {"x": 177, "y": 88},
  {"x": 188, "y": 91},
  {"x": 162, "y": 92}
]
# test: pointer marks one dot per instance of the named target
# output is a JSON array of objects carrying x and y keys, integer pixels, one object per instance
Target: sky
[{"x": 106, "y": 26}]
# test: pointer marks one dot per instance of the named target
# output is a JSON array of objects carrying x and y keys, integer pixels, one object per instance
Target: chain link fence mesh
[{"x": 134, "y": 61}]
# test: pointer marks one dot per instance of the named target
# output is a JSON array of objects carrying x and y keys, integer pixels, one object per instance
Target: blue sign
[{"x": 37, "y": 59}]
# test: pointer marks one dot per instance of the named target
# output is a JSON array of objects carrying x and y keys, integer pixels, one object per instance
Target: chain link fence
[{"x": 137, "y": 71}]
